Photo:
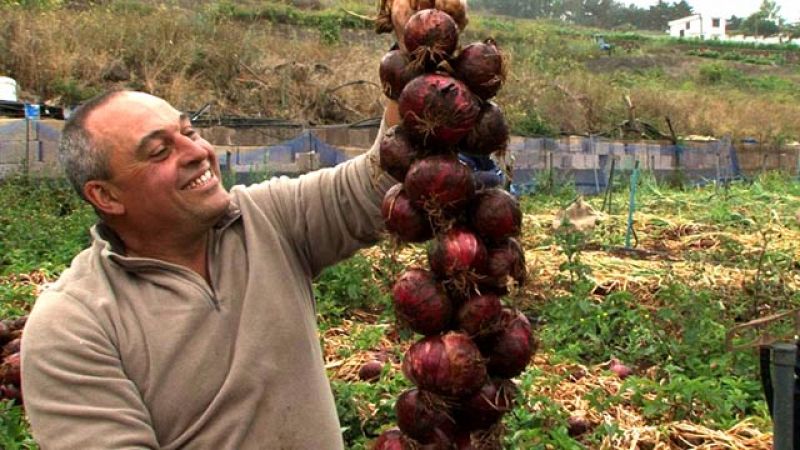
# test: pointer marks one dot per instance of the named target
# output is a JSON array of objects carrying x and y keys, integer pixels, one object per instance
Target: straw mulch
[
  {"x": 663, "y": 254},
  {"x": 665, "y": 251}
]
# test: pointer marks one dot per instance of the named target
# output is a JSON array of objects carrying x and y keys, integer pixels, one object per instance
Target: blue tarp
[{"x": 286, "y": 152}]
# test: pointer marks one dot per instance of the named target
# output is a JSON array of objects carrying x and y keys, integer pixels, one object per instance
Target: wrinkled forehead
[{"x": 129, "y": 116}]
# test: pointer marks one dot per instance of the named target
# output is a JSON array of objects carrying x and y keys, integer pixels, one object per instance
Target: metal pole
[
  {"x": 26, "y": 161},
  {"x": 632, "y": 204},
  {"x": 784, "y": 357},
  {"x": 609, "y": 186}
]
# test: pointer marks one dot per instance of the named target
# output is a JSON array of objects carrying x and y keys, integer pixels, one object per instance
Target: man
[{"x": 189, "y": 322}]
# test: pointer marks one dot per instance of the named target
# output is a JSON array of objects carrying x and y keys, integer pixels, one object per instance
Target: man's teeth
[{"x": 201, "y": 180}]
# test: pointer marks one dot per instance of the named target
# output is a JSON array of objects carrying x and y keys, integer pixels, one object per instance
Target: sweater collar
[{"x": 111, "y": 245}]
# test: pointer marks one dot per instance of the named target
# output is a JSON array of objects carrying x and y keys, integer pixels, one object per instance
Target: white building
[{"x": 698, "y": 26}]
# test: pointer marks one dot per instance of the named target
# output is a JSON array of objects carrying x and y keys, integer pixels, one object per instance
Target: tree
[
  {"x": 766, "y": 21},
  {"x": 734, "y": 23}
]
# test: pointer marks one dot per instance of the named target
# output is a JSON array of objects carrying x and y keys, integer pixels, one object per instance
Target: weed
[
  {"x": 14, "y": 433},
  {"x": 572, "y": 242},
  {"x": 330, "y": 29},
  {"x": 347, "y": 286}
]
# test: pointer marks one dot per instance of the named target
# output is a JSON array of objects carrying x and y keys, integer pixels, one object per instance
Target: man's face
[{"x": 165, "y": 175}]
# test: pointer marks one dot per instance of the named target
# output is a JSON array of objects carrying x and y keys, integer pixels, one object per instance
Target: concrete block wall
[{"x": 532, "y": 154}]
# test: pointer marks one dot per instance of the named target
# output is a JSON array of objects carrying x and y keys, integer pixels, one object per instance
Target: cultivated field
[{"x": 703, "y": 260}]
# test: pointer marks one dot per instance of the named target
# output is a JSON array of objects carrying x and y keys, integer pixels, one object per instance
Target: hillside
[{"x": 320, "y": 66}]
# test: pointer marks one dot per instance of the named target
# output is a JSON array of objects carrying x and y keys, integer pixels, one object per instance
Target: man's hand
[{"x": 394, "y": 14}]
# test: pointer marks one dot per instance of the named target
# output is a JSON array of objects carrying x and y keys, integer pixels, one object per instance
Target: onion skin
[
  {"x": 402, "y": 218},
  {"x": 423, "y": 416},
  {"x": 438, "y": 109},
  {"x": 479, "y": 314},
  {"x": 496, "y": 215},
  {"x": 510, "y": 350},
  {"x": 486, "y": 406},
  {"x": 456, "y": 252},
  {"x": 439, "y": 182},
  {"x": 449, "y": 365},
  {"x": 421, "y": 302},
  {"x": 397, "y": 152},
  {"x": 482, "y": 67},
  {"x": 395, "y": 72},
  {"x": 430, "y": 36},
  {"x": 490, "y": 133}
]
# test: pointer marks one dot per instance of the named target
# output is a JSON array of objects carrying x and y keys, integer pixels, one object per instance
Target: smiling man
[{"x": 189, "y": 322}]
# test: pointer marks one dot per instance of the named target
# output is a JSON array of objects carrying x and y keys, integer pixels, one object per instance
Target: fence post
[
  {"x": 595, "y": 165},
  {"x": 798, "y": 163},
  {"x": 632, "y": 204},
  {"x": 784, "y": 357}
]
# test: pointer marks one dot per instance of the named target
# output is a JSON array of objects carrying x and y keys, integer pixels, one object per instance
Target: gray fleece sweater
[{"x": 125, "y": 352}]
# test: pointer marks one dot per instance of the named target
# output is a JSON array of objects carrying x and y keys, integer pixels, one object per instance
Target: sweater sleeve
[
  {"x": 76, "y": 392},
  {"x": 330, "y": 213}
]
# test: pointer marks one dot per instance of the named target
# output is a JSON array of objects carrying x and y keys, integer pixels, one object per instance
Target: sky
[{"x": 790, "y": 9}]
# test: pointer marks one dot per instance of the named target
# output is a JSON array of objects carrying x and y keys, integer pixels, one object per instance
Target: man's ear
[{"x": 104, "y": 196}]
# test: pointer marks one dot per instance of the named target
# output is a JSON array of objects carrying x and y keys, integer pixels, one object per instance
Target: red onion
[
  {"x": 439, "y": 182},
  {"x": 510, "y": 350},
  {"x": 422, "y": 416},
  {"x": 490, "y": 133},
  {"x": 482, "y": 67},
  {"x": 456, "y": 253},
  {"x": 395, "y": 72},
  {"x": 449, "y": 365},
  {"x": 402, "y": 219},
  {"x": 430, "y": 36},
  {"x": 504, "y": 261},
  {"x": 11, "y": 392},
  {"x": 421, "y": 302},
  {"x": 578, "y": 425},
  {"x": 12, "y": 346},
  {"x": 495, "y": 215},
  {"x": 621, "y": 370},
  {"x": 397, "y": 153},
  {"x": 438, "y": 109},
  {"x": 370, "y": 370},
  {"x": 485, "y": 407},
  {"x": 10, "y": 370},
  {"x": 391, "y": 440},
  {"x": 479, "y": 314}
]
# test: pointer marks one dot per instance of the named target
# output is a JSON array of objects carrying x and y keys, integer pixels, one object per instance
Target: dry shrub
[
  {"x": 191, "y": 55},
  {"x": 191, "y": 59}
]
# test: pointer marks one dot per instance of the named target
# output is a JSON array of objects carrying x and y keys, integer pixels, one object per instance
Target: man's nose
[{"x": 190, "y": 150}]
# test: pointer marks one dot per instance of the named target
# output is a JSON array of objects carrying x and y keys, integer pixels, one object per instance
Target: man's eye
[
  {"x": 190, "y": 132},
  {"x": 159, "y": 153}
]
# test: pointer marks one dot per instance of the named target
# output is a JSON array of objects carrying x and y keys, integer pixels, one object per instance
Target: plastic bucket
[{"x": 8, "y": 89}]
